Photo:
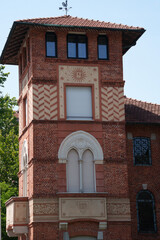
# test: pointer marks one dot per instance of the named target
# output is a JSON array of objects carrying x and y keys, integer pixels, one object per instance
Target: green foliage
[
  {"x": 9, "y": 158},
  {"x": 3, "y": 76},
  {"x": 8, "y": 150},
  {"x": 6, "y": 192},
  {"x": 8, "y": 120}
]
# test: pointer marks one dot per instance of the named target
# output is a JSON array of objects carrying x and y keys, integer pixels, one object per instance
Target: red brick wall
[
  {"x": 139, "y": 175},
  {"x": 46, "y": 176},
  {"x": 46, "y": 68}
]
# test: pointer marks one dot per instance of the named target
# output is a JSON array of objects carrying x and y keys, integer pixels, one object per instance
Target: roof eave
[
  {"x": 16, "y": 23},
  {"x": 7, "y": 42},
  {"x": 83, "y": 27}
]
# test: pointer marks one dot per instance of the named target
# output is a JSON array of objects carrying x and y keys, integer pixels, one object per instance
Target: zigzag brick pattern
[
  {"x": 45, "y": 105},
  {"x": 112, "y": 104}
]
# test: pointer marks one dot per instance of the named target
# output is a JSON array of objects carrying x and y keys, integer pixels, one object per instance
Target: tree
[
  {"x": 8, "y": 150},
  {"x": 6, "y": 192},
  {"x": 3, "y": 76}
]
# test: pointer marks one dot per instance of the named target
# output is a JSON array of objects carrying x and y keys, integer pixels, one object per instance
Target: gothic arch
[{"x": 80, "y": 141}]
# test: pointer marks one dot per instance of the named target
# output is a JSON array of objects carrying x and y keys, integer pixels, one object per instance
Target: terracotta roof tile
[
  {"x": 138, "y": 111},
  {"x": 75, "y": 21}
]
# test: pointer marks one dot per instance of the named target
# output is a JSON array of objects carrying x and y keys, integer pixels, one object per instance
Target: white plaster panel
[{"x": 73, "y": 208}]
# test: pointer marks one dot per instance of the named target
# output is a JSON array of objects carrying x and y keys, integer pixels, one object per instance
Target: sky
[{"x": 141, "y": 64}]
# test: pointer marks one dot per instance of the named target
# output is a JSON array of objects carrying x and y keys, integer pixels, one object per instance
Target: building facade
[{"x": 88, "y": 156}]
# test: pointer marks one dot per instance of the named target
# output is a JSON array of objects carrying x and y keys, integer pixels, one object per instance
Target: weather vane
[{"x": 65, "y": 7}]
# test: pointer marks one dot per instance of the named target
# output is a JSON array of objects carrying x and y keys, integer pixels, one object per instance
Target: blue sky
[{"x": 141, "y": 63}]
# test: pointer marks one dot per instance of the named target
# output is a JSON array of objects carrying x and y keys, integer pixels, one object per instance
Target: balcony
[{"x": 17, "y": 216}]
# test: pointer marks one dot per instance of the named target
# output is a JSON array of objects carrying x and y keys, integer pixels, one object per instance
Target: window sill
[{"x": 94, "y": 194}]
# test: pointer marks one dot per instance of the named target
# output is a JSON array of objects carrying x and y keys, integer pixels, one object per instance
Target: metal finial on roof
[{"x": 65, "y": 7}]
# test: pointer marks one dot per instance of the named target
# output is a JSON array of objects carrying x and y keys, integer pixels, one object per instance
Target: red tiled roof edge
[
  {"x": 141, "y": 112},
  {"x": 76, "y": 22}
]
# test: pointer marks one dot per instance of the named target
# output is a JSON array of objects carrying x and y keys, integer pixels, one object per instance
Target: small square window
[
  {"x": 51, "y": 44},
  {"x": 102, "y": 47},
  {"x": 79, "y": 103},
  {"x": 142, "y": 151},
  {"x": 77, "y": 46}
]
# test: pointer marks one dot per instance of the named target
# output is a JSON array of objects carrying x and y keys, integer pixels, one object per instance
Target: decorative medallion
[
  {"x": 82, "y": 206},
  {"x": 78, "y": 74}
]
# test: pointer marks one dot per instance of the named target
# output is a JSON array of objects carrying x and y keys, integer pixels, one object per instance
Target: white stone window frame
[
  {"x": 81, "y": 141},
  {"x": 24, "y": 166}
]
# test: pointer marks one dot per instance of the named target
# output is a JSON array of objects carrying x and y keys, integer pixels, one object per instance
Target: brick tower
[{"x": 73, "y": 174}]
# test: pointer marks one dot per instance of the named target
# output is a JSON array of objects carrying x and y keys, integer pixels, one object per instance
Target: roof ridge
[
  {"x": 42, "y": 18},
  {"x": 140, "y": 101}
]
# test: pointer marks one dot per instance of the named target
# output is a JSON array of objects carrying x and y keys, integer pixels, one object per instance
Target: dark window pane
[
  {"x": 71, "y": 38},
  {"x": 146, "y": 212},
  {"x": 82, "y": 50},
  {"x": 102, "y": 47},
  {"x": 102, "y": 52},
  {"x": 77, "y": 47},
  {"x": 144, "y": 195},
  {"x": 146, "y": 217},
  {"x": 72, "y": 50},
  {"x": 51, "y": 49},
  {"x": 50, "y": 45},
  {"x": 82, "y": 39},
  {"x": 142, "y": 151}
]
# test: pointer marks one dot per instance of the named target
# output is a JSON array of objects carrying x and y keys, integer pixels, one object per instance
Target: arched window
[
  {"x": 146, "y": 212},
  {"x": 80, "y": 172},
  {"x": 80, "y": 151},
  {"x": 24, "y": 166}
]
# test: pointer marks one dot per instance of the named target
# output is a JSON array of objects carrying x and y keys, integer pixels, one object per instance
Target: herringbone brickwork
[
  {"x": 45, "y": 102},
  {"x": 112, "y": 100}
]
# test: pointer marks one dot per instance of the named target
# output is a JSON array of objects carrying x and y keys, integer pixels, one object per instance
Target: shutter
[{"x": 79, "y": 103}]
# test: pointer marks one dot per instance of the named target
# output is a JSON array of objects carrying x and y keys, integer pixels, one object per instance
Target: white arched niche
[
  {"x": 80, "y": 151},
  {"x": 80, "y": 141},
  {"x": 24, "y": 166}
]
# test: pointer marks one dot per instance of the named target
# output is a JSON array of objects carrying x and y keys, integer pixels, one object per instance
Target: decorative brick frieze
[
  {"x": 118, "y": 209},
  {"x": 43, "y": 210}
]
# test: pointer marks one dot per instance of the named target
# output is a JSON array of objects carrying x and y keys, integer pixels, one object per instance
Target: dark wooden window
[
  {"x": 77, "y": 46},
  {"x": 25, "y": 112},
  {"x": 24, "y": 54},
  {"x": 146, "y": 212},
  {"x": 102, "y": 47},
  {"x": 28, "y": 48},
  {"x": 51, "y": 44},
  {"x": 142, "y": 151},
  {"x": 20, "y": 65}
]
